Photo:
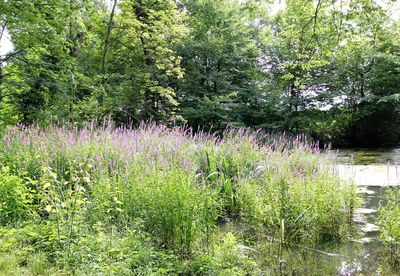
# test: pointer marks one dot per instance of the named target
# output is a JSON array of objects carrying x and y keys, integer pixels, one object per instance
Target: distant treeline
[{"x": 330, "y": 69}]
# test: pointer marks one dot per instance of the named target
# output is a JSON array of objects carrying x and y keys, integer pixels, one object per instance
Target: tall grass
[
  {"x": 389, "y": 222},
  {"x": 173, "y": 185}
]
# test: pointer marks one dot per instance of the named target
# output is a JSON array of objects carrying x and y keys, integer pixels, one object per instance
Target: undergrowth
[{"x": 149, "y": 200}]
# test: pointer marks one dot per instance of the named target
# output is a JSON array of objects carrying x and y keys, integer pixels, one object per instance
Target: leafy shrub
[
  {"x": 231, "y": 259},
  {"x": 14, "y": 198}
]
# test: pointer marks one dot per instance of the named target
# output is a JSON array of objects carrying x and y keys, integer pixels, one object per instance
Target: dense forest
[{"x": 328, "y": 68}]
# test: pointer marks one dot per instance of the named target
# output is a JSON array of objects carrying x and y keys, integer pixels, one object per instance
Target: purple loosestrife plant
[{"x": 178, "y": 182}]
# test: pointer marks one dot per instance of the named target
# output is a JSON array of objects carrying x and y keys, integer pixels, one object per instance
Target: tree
[
  {"x": 49, "y": 70},
  {"x": 220, "y": 62},
  {"x": 143, "y": 65}
]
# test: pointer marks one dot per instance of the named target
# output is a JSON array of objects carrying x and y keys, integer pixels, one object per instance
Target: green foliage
[
  {"x": 95, "y": 252},
  {"x": 143, "y": 67},
  {"x": 219, "y": 58},
  {"x": 149, "y": 200},
  {"x": 230, "y": 258},
  {"x": 14, "y": 198},
  {"x": 389, "y": 221},
  {"x": 380, "y": 121},
  {"x": 324, "y": 68},
  {"x": 320, "y": 67},
  {"x": 169, "y": 206}
]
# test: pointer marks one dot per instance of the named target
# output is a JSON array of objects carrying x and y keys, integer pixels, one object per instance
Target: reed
[
  {"x": 389, "y": 222},
  {"x": 171, "y": 185}
]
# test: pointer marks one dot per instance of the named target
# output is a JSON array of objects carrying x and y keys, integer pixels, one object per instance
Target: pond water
[
  {"x": 373, "y": 170},
  {"x": 360, "y": 156},
  {"x": 369, "y": 167}
]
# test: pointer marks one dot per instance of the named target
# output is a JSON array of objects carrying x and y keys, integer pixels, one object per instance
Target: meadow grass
[{"x": 148, "y": 199}]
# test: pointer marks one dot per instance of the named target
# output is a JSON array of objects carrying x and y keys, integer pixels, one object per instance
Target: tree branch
[
  {"x": 9, "y": 56},
  {"x": 108, "y": 34},
  {"x": 3, "y": 29}
]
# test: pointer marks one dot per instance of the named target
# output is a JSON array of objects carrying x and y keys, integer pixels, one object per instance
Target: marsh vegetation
[{"x": 150, "y": 199}]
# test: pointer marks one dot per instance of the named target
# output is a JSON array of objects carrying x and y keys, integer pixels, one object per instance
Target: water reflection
[
  {"x": 368, "y": 167},
  {"x": 363, "y": 255},
  {"x": 359, "y": 156},
  {"x": 349, "y": 258}
]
